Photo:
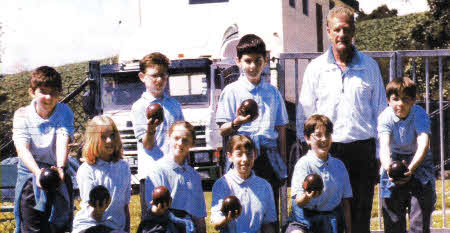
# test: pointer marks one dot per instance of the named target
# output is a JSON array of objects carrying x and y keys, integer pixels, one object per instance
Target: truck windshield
[
  {"x": 119, "y": 93},
  {"x": 189, "y": 89}
]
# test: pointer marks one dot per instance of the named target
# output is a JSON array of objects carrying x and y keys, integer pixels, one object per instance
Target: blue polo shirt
[
  {"x": 271, "y": 109},
  {"x": 183, "y": 182},
  {"x": 172, "y": 113},
  {"x": 403, "y": 134},
  {"x": 335, "y": 180},
  {"x": 256, "y": 197},
  {"x": 116, "y": 177}
]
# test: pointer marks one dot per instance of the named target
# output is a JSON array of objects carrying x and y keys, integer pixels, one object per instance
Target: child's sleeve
[
  {"x": 219, "y": 191},
  {"x": 66, "y": 122},
  {"x": 422, "y": 121},
  {"x": 139, "y": 120},
  {"x": 300, "y": 172},
  {"x": 226, "y": 108},
  {"x": 86, "y": 182},
  {"x": 384, "y": 124},
  {"x": 270, "y": 213},
  {"x": 282, "y": 116},
  {"x": 20, "y": 128},
  {"x": 128, "y": 179},
  {"x": 347, "y": 187}
]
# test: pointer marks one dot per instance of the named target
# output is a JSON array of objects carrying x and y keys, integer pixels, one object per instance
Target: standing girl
[{"x": 104, "y": 166}]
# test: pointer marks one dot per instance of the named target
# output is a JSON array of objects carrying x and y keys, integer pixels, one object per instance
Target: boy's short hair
[
  {"x": 45, "y": 76},
  {"x": 251, "y": 43},
  {"x": 186, "y": 125},
  {"x": 315, "y": 121},
  {"x": 154, "y": 59},
  {"x": 341, "y": 11},
  {"x": 241, "y": 141},
  {"x": 401, "y": 87}
]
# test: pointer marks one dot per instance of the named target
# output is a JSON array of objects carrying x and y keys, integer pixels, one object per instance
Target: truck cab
[{"x": 194, "y": 83}]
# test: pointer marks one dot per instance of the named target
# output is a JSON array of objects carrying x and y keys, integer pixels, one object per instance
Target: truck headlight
[{"x": 201, "y": 157}]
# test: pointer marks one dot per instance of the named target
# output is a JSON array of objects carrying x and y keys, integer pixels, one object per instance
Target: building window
[
  {"x": 305, "y": 7},
  {"x": 331, "y": 5},
  {"x": 319, "y": 28},
  {"x": 206, "y": 1},
  {"x": 292, "y": 3}
]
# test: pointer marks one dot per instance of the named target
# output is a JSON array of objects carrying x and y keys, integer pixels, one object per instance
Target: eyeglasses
[{"x": 319, "y": 137}]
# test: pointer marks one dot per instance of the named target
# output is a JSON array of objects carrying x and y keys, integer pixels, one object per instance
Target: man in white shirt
[{"x": 346, "y": 86}]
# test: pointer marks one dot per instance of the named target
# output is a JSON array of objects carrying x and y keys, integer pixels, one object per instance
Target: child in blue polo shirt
[
  {"x": 255, "y": 194},
  {"x": 152, "y": 134},
  {"x": 183, "y": 182},
  {"x": 404, "y": 135},
  {"x": 41, "y": 134},
  {"x": 327, "y": 211},
  {"x": 268, "y": 129}
]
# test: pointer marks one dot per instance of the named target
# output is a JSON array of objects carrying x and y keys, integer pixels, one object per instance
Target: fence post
[
  {"x": 441, "y": 134},
  {"x": 95, "y": 86},
  {"x": 399, "y": 67}
]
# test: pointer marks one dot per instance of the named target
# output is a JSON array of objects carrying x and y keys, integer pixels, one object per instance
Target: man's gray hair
[{"x": 341, "y": 11}]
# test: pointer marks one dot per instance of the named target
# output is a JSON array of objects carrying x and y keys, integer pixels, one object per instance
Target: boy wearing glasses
[
  {"x": 327, "y": 211},
  {"x": 150, "y": 133}
]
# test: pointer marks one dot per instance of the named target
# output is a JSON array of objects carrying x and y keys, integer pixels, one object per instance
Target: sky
[{"x": 57, "y": 32}]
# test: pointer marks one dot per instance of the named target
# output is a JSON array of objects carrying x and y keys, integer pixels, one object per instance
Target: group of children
[{"x": 43, "y": 130}]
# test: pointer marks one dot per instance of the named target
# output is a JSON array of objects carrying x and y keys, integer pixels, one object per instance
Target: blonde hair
[
  {"x": 341, "y": 11},
  {"x": 93, "y": 139}
]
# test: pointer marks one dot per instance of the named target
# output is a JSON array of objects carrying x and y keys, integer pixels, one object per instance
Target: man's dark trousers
[{"x": 362, "y": 165}]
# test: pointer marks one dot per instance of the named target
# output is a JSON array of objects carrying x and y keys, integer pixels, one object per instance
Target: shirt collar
[
  {"x": 315, "y": 161},
  {"x": 408, "y": 118},
  {"x": 248, "y": 85},
  {"x": 147, "y": 96},
  {"x": 237, "y": 179},
  {"x": 100, "y": 162},
  {"x": 171, "y": 164},
  {"x": 354, "y": 64}
]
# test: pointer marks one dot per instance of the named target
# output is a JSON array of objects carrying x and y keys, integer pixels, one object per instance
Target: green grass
[{"x": 7, "y": 223}]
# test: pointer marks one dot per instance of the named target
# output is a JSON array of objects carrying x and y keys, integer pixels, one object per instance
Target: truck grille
[
  {"x": 129, "y": 145},
  {"x": 200, "y": 136}
]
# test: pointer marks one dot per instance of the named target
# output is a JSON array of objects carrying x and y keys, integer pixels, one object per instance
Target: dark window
[
  {"x": 319, "y": 23},
  {"x": 292, "y": 3},
  {"x": 331, "y": 5},
  {"x": 206, "y": 1},
  {"x": 305, "y": 7}
]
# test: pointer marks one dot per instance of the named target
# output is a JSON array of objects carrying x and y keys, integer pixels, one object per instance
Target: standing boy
[
  {"x": 41, "y": 134},
  {"x": 404, "y": 135},
  {"x": 268, "y": 129},
  {"x": 152, "y": 134}
]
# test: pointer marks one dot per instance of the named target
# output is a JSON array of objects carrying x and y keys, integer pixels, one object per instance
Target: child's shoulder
[{"x": 21, "y": 112}]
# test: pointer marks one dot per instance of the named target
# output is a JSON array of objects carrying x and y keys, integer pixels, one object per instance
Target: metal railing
[{"x": 398, "y": 61}]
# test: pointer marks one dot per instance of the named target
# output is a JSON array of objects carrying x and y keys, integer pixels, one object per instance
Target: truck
[{"x": 200, "y": 40}]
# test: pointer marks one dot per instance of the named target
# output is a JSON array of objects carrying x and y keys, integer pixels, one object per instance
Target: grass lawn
[{"x": 7, "y": 219}]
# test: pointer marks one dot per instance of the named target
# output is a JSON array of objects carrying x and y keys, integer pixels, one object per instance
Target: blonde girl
[{"x": 103, "y": 165}]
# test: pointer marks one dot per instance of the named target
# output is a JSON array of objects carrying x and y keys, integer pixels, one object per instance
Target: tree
[
  {"x": 434, "y": 33},
  {"x": 381, "y": 12}
]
